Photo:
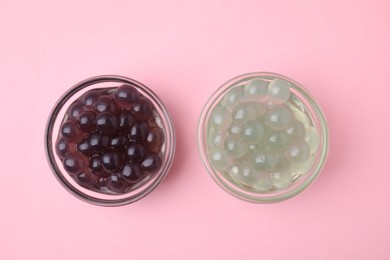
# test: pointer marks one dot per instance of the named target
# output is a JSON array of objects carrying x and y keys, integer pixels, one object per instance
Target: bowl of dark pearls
[{"x": 110, "y": 140}]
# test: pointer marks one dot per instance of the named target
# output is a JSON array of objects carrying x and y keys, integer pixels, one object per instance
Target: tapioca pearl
[
  {"x": 235, "y": 129},
  {"x": 136, "y": 152},
  {"x": 105, "y": 103},
  {"x": 64, "y": 146},
  {"x": 216, "y": 138},
  {"x": 233, "y": 97},
  {"x": 244, "y": 112},
  {"x": 86, "y": 179},
  {"x": 107, "y": 123},
  {"x": 143, "y": 109},
  {"x": 151, "y": 164},
  {"x": 98, "y": 142},
  {"x": 277, "y": 140},
  {"x": 220, "y": 118},
  {"x": 86, "y": 121},
  {"x": 233, "y": 173},
  {"x": 155, "y": 139},
  {"x": 281, "y": 178},
  {"x": 298, "y": 152},
  {"x": 278, "y": 117},
  {"x": 74, "y": 163},
  {"x": 312, "y": 138},
  {"x": 248, "y": 175},
  {"x": 302, "y": 168},
  {"x": 75, "y": 109},
  {"x": 261, "y": 110},
  {"x": 101, "y": 185},
  {"x": 116, "y": 184},
  {"x": 256, "y": 89},
  {"x": 264, "y": 184},
  {"x": 252, "y": 132},
  {"x": 282, "y": 162},
  {"x": 96, "y": 167},
  {"x": 278, "y": 91},
  {"x": 126, "y": 96},
  {"x": 131, "y": 172},
  {"x": 219, "y": 159},
  {"x": 119, "y": 143},
  {"x": 263, "y": 160},
  {"x": 139, "y": 132},
  {"x": 235, "y": 147},
  {"x": 112, "y": 161},
  {"x": 84, "y": 147},
  {"x": 89, "y": 99},
  {"x": 296, "y": 130},
  {"x": 71, "y": 130},
  {"x": 126, "y": 121}
]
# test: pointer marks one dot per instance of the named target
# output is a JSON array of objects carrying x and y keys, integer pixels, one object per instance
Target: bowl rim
[
  {"x": 50, "y": 154},
  {"x": 220, "y": 180}
]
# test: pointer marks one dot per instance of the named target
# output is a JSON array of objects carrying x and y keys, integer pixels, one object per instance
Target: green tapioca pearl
[
  {"x": 216, "y": 138},
  {"x": 282, "y": 178},
  {"x": 277, "y": 141},
  {"x": 296, "y": 130},
  {"x": 278, "y": 91},
  {"x": 256, "y": 89},
  {"x": 220, "y": 118},
  {"x": 235, "y": 147},
  {"x": 298, "y": 152},
  {"x": 252, "y": 132},
  {"x": 233, "y": 97},
  {"x": 264, "y": 183},
  {"x": 263, "y": 160},
  {"x": 302, "y": 168},
  {"x": 219, "y": 159},
  {"x": 244, "y": 112},
  {"x": 279, "y": 117}
]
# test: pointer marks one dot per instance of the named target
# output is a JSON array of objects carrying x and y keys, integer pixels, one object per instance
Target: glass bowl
[
  {"x": 97, "y": 193},
  {"x": 262, "y": 137}
]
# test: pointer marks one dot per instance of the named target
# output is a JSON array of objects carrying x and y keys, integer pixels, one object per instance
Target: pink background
[{"x": 184, "y": 50}]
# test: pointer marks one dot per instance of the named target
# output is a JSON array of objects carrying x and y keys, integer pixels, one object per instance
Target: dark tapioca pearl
[
  {"x": 116, "y": 184},
  {"x": 143, "y": 109},
  {"x": 75, "y": 163},
  {"x": 151, "y": 163},
  {"x": 89, "y": 99},
  {"x": 75, "y": 109},
  {"x": 126, "y": 121},
  {"x": 107, "y": 123},
  {"x": 126, "y": 96},
  {"x": 136, "y": 152},
  {"x": 86, "y": 179},
  {"x": 119, "y": 142},
  {"x": 155, "y": 139},
  {"x": 84, "y": 147},
  {"x": 151, "y": 122},
  {"x": 139, "y": 131},
  {"x": 101, "y": 184},
  {"x": 105, "y": 104},
  {"x": 63, "y": 147},
  {"x": 98, "y": 142},
  {"x": 71, "y": 130},
  {"x": 95, "y": 165},
  {"x": 87, "y": 121},
  {"x": 112, "y": 161},
  {"x": 131, "y": 172}
]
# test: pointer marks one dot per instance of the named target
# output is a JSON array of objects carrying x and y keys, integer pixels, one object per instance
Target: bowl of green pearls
[{"x": 262, "y": 137}]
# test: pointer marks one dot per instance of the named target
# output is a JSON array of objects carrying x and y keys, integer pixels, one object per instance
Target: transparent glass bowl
[
  {"x": 299, "y": 100},
  {"x": 56, "y": 117}
]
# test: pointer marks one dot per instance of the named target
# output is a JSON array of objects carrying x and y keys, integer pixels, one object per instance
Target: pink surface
[{"x": 184, "y": 50}]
